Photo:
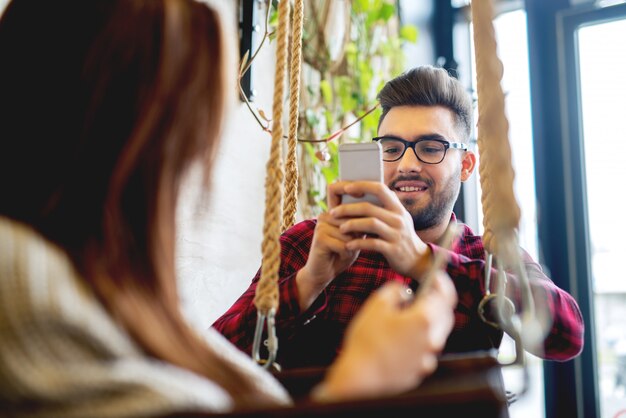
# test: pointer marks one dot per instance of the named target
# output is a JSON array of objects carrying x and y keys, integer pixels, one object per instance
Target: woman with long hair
[{"x": 104, "y": 106}]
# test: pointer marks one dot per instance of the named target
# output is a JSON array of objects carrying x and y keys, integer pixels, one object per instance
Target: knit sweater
[{"x": 62, "y": 355}]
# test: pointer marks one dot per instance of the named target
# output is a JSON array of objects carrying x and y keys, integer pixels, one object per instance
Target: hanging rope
[
  {"x": 291, "y": 181},
  {"x": 266, "y": 296},
  {"x": 500, "y": 209}
]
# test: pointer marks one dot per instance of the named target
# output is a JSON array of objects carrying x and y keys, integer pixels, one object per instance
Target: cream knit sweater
[{"x": 61, "y": 354}]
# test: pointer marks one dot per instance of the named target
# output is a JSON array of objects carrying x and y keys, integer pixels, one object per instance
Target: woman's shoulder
[{"x": 63, "y": 351}]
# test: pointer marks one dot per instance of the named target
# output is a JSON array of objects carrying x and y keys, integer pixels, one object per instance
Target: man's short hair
[{"x": 428, "y": 86}]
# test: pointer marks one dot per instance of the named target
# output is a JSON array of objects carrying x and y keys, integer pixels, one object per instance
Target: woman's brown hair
[{"x": 105, "y": 104}]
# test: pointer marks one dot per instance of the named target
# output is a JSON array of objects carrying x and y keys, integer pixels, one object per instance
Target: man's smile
[{"x": 402, "y": 187}]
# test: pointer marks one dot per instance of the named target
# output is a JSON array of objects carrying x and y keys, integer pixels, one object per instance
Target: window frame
[{"x": 557, "y": 128}]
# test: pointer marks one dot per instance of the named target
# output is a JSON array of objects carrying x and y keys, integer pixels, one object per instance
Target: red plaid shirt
[{"x": 313, "y": 337}]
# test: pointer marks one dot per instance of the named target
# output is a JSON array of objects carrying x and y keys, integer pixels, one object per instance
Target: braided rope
[
  {"x": 500, "y": 209},
  {"x": 266, "y": 296},
  {"x": 291, "y": 182}
]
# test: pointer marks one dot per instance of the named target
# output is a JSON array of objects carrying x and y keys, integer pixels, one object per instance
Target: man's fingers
[
  {"x": 380, "y": 190},
  {"x": 372, "y": 226},
  {"x": 328, "y": 218},
  {"x": 329, "y": 230},
  {"x": 369, "y": 244},
  {"x": 388, "y": 199},
  {"x": 335, "y": 192},
  {"x": 367, "y": 210}
]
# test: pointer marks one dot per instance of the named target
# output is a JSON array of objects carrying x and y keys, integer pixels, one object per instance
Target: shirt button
[{"x": 309, "y": 320}]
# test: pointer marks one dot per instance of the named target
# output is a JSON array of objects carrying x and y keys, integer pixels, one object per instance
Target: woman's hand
[{"x": 392, "y": 343}]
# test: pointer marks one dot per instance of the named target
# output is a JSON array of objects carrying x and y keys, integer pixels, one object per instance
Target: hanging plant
[{"x": 350, "y": 49}]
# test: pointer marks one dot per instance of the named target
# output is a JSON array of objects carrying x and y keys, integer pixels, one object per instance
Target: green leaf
[
  {"x": 273, "y": 20},
  {"x": 370, "y": 122},
  {"x": 310, "y": 149},
  {"x": 330, "y": 170},
  {"x": 376, "y": 5},
  {"x": 330, "y": 119},
  {"x": 386, "y": 11},
  {"x": 382, "y": 82},
  {"x": 365, "y": 80},
  {"x": 348, "y": 103},
  {"x": 327, "y": 92},
  {"x": 371, "y": 18},
  {"x": 409, "y": 33},
  {"x": 330, "y": 174},
  {"x": 352, "y": 53},
  {"x": 322, "y": 204},
  {"x": 362, "y": 5},
  {"x": 351, "y": 48}
]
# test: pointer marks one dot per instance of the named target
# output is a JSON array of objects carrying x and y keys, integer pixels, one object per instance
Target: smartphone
[{"x": 362, "y": 161}]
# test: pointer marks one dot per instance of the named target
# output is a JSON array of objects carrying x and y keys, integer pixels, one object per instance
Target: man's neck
[{"x": 433, "y": 234}]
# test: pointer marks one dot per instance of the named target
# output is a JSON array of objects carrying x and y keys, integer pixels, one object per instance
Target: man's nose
[{"x": 409, "y": 161}]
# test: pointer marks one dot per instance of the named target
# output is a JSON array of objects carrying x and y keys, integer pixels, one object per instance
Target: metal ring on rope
[
  {"x": 506, "y": 316},
  {"x": 507, "y": 305},
  {"x": 272, "y": 340}
]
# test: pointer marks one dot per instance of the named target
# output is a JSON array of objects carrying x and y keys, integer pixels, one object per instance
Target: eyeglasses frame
[{"x": 412, "y": 144}]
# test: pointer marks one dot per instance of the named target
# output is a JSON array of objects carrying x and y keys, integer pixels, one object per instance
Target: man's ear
[{"x": 468, "y": 163}]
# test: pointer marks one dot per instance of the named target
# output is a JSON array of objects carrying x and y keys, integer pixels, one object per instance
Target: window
[{"x": 600, "y": 49}]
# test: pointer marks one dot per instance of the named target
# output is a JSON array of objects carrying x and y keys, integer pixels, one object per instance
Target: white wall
[{"x": 219, "y": 242}]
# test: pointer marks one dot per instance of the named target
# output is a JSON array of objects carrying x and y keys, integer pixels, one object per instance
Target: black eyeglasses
[{"x": 429, "y": 151}]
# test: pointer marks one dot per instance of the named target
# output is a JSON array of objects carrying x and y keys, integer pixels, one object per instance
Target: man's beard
[{"x": 436, "y": 211}]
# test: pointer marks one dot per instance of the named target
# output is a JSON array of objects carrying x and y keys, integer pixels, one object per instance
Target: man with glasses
[{"x": 331, "y": 264}]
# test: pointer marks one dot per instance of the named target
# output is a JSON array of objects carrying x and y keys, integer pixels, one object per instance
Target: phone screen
[{"x": 362, "y": 161}]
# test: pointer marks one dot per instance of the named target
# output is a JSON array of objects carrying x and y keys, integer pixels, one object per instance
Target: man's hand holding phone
[
  {"x": 329, "y": 256},
  {"x": 374, "y": 218},
  {"x": 387, "y": 229},
  {"x": 364, "y": 214}
]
